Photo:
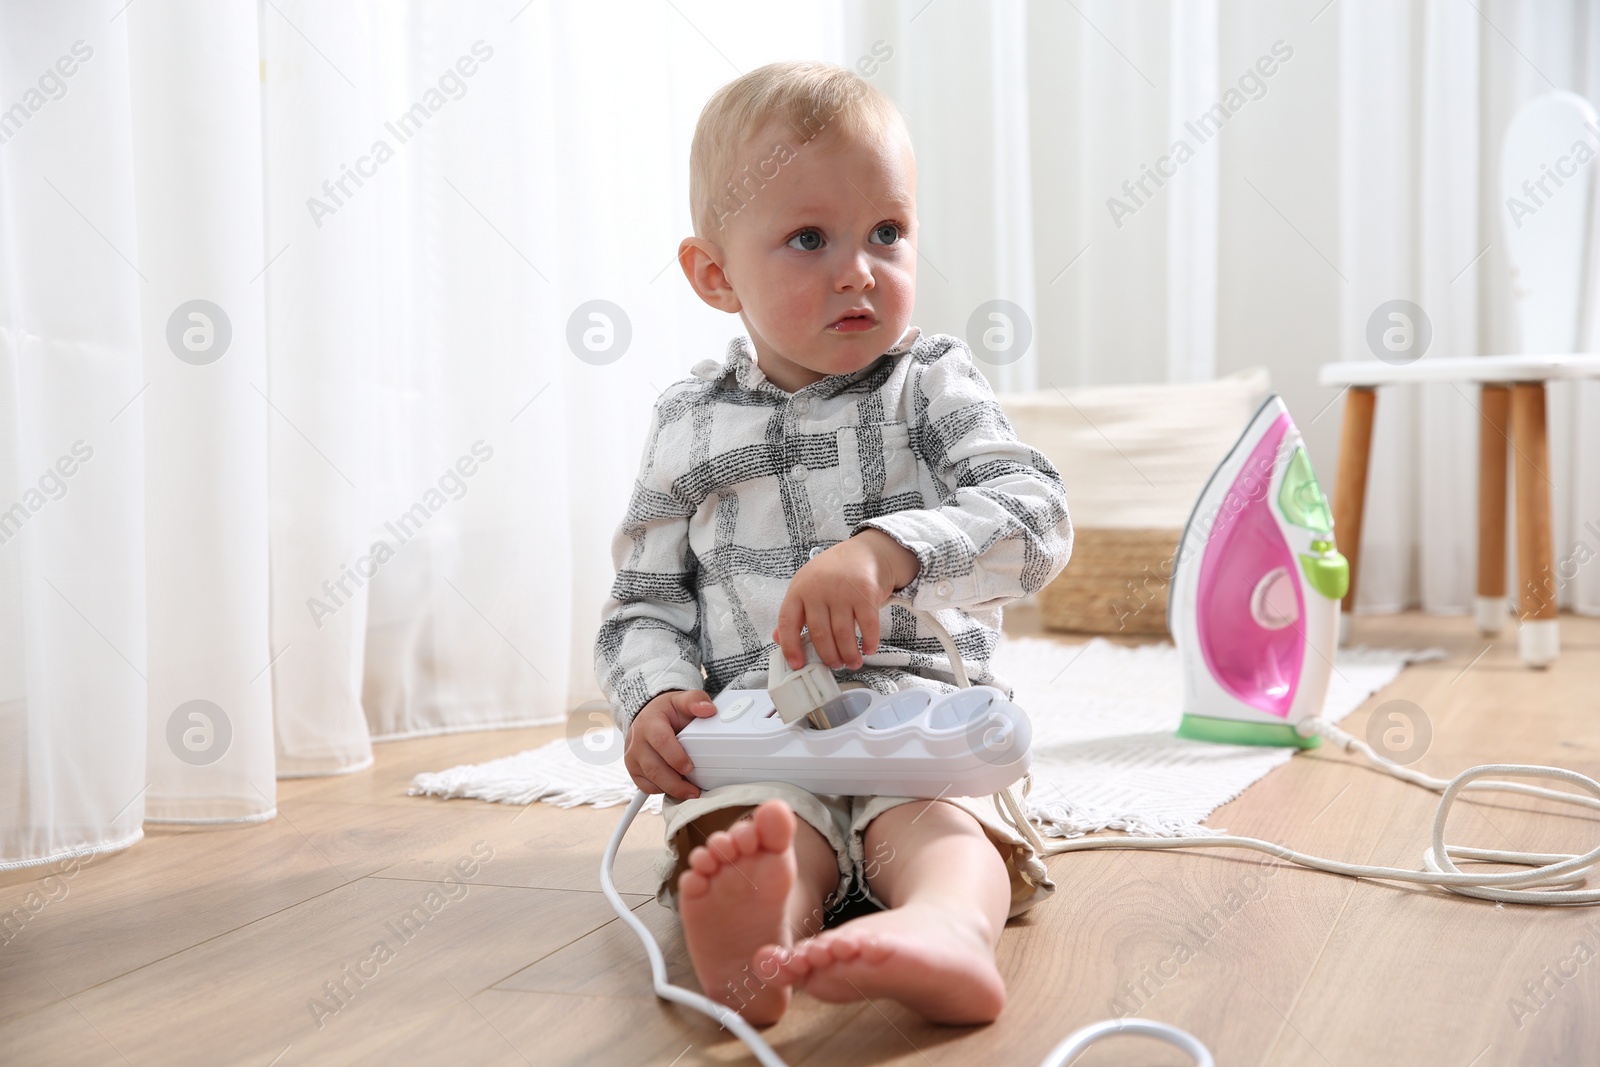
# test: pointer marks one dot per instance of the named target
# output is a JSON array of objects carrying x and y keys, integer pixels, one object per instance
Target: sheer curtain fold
[
  {"x": 1450, "y": 234},
  {"x": 72, "y": 490},
  {"x": 198, "y": 216}
]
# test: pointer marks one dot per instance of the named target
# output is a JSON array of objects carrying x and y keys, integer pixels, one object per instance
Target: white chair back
[{"x": 1548, "y": 162}]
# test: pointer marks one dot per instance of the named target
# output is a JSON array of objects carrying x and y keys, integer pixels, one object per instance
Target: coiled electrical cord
[{"x": 1551, "y": 879}]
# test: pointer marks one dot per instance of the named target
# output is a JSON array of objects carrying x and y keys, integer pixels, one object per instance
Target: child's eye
[
  {"x": 806, "y": 236},
  {"x": 891, "y": 229}
]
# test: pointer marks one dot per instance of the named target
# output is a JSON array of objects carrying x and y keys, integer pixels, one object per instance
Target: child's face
[{"x": 826, "y": 237}]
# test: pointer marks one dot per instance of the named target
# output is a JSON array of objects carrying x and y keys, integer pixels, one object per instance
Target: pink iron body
[{"x": 1254, "y": 602}]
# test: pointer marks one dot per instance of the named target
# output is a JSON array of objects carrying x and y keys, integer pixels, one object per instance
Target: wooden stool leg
[
  {"x": 1491, "y": 607},
  {"x": 1350, "y": 488},
  {"x": 1539, "y": 639}
]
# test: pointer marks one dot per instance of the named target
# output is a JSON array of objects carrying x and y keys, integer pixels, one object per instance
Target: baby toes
[
  {"x": 744, "y": 838},
  {"x": 774, "y": 963},
  {"x": 704, "y": 862},
  {"x": 843, "y": 949},
  {"x": 722, "y": 847}
]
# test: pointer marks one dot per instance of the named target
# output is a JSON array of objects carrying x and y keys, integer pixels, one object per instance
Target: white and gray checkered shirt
[{"x": 741, "y": 483}]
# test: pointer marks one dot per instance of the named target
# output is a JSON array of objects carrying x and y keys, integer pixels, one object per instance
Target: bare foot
[
  {"x": 731, "y": 901},
  {"x": 937, "y": 963}
]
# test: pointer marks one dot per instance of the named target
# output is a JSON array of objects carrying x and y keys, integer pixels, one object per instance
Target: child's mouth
[{"x": 854, "y": 323}]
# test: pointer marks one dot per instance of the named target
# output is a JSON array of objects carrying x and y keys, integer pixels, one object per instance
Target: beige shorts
[{"x": 842, "y": 821}]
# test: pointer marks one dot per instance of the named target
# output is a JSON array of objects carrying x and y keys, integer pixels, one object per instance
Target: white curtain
[
  {"x": 316, "y": 417},
  {"x": 1358, "y": 165},
  {"x": 73, "y": 648},
  {"x": 298, "y": 282}
]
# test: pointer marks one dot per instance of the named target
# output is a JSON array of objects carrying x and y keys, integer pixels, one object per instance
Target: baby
[{"x": 834, "y": 459}]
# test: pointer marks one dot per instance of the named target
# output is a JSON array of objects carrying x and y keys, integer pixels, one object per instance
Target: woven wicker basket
[{"x": 1115, "y": 583}]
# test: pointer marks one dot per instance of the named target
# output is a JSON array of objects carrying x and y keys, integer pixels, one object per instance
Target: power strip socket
[{"x": 914, "y": 743}]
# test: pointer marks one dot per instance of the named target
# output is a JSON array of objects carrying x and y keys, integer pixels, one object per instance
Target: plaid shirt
[{"x": 741, "y": 483}]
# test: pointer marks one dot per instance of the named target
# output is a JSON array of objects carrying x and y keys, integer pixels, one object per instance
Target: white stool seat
[{"x": 1536, "y": 368}]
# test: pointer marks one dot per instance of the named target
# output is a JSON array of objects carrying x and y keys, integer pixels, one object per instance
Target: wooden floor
[{"x": 216, "y": 947}]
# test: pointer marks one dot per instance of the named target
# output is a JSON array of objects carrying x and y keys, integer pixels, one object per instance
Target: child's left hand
[{"x": 839, "y": 590}]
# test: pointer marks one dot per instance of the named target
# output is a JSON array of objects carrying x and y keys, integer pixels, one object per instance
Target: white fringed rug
[{"x": 1104, "y": 751}]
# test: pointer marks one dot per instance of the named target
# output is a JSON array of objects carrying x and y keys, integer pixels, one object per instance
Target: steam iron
[{"x": 1254, "y": 602}]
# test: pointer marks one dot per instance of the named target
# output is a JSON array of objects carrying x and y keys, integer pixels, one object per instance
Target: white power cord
[
  {"x": 1551, "y": 879},
  {"x": 1082, "y": 1039},
  {"x": 658, "y": 964}
]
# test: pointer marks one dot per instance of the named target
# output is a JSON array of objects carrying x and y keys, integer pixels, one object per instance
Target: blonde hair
[{"x": 808, "y": 97}]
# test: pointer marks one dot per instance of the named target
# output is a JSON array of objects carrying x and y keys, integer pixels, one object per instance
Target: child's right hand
[{"x": 653, "y": 755}]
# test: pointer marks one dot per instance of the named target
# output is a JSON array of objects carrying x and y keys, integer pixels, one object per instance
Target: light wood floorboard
[{"x": 217, "y": 947}]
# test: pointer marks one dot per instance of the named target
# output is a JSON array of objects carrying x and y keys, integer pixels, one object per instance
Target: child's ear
[{"x": 701, "y": 261}]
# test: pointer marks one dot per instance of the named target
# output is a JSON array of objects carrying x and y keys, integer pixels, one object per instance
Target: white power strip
[{"x": 915, "y": 743}]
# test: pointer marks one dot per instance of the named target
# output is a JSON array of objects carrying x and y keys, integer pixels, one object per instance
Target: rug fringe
[
  {"x": 550, "y": 773},
  {"x": 1069, "y": 820}
]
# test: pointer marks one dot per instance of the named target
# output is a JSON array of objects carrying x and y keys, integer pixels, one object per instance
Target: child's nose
[{"x": 855, "y": 273}]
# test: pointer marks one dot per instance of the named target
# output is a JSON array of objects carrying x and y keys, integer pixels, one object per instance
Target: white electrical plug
[{"x": 798, "y": 693}]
